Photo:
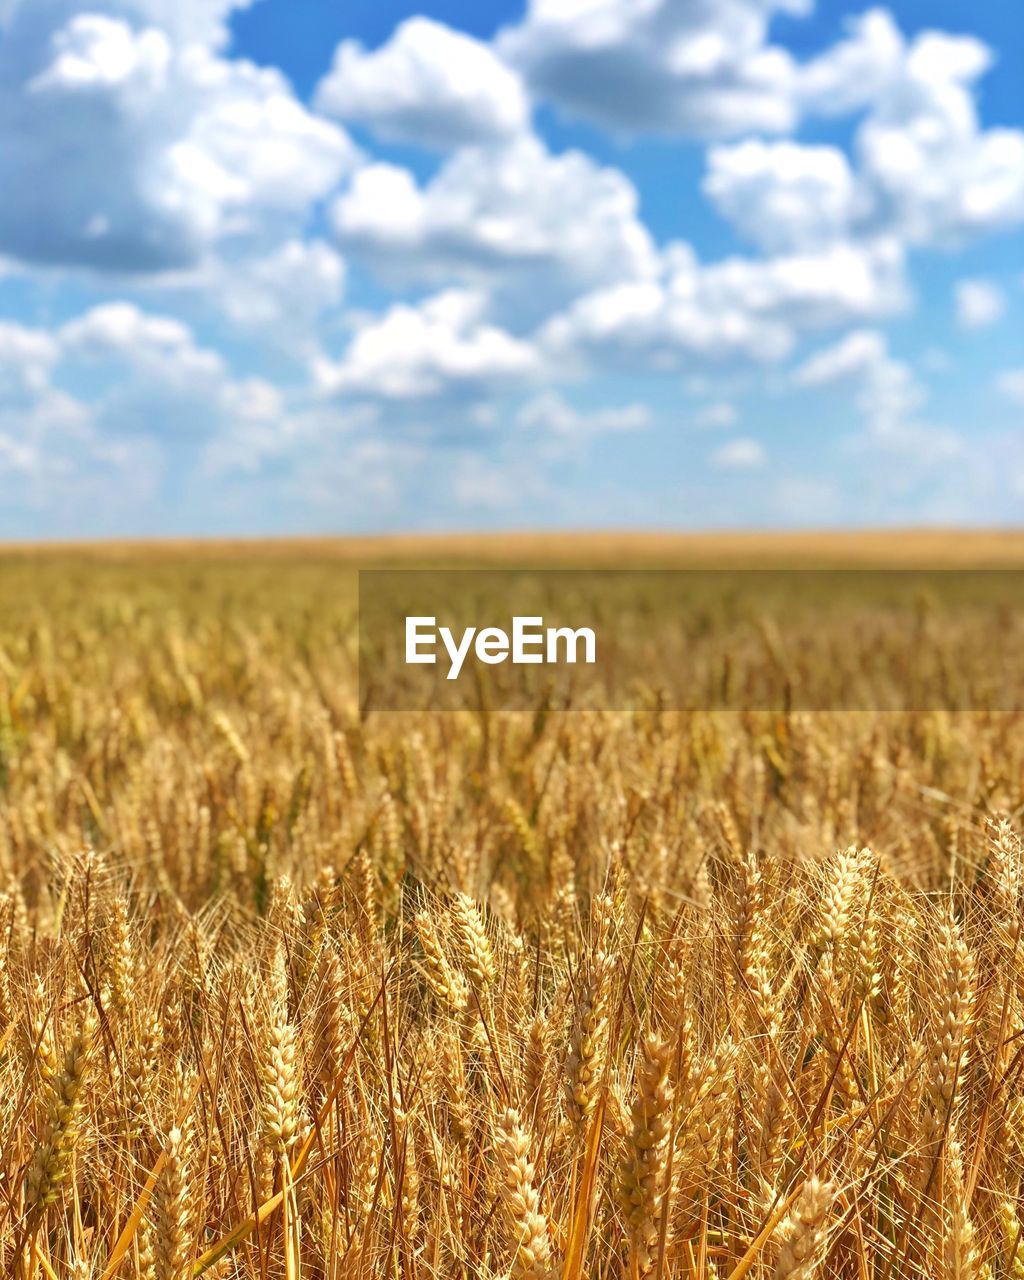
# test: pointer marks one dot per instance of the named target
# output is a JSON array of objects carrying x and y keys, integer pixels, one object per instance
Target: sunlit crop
[{"x": 287, "y": 990}]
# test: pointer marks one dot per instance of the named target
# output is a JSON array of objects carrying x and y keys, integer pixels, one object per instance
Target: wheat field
[{"x": 288, "y": 990}]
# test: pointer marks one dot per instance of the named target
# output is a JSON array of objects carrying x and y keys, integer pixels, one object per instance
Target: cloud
[
  {"x": 429, "y": 85},
  {"x": 889, "y": 398},
  {"x": 815, "y": 288},
  {"x": 741, "y": 454},
  {"x": 979, "y": 304},
  {"x": 158, "y": 348},
  {"x": 857, "y": 69},
  {"x": 442, "y": 347},
  {"x": 927, "y": 169},
  {"x": 735, "y": 309},
  {"x": 534, "y": 227},
  {"x": 290, "y": 286},
  {"x": 34, "y": 415},
  {"x": 662, "y": 66},
  {"x": 932, "y": 170},
  {"x": 186, "y": 21},
  {"x": 27, "y": 358},
  {"x": 278, "y": 299},
  {"x": 95, "y": 53},
  {"x": 898, "y": 464},
  {"x": 53, "y": 456},
  {"x": 889, "y": 391},
  {"x": 132, "y": 146},
  {"x": 856, "y": 355},
  {"x": 650, "y": 326},
  {"x": 926, "y": 172},
  {"x": 782, "y": 196},
  {"x": 550, "y": 414},
  {"x": 148, "y": 377}
]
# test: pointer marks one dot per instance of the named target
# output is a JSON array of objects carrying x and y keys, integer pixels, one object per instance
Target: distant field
[{"x": 952, "y": 547}]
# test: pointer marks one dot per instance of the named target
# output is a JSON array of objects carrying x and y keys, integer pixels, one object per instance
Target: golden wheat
[{"x": 289, "y": 988}]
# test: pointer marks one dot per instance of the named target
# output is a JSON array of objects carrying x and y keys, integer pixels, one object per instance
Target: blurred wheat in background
[{"x": 288, "y": 993}]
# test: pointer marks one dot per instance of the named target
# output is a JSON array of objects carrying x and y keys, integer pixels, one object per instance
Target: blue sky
[{"x": 301, "y": 266}]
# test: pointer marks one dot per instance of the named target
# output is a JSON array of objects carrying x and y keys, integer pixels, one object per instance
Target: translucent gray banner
[{"x": 766, "y": 640}]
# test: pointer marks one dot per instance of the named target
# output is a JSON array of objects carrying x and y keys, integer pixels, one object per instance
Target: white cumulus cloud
[
  {"x": 535, "y": 227},
  {"x": 160, "y": 349},
  {"x": 783, "y": 196},
  {"x": 699, "y": 67},
  {"x": 430, "y": 84},
  {"x": 933, "y": 171},
  {"x": 926, "y": 170},
  {"x": 442, "y": 347},
  {"x": 857, "y": 69},
  {"x": 187, "y": 21},
  {"x": 131, "y": 145},
  {"x": 737, "y": 308}
]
